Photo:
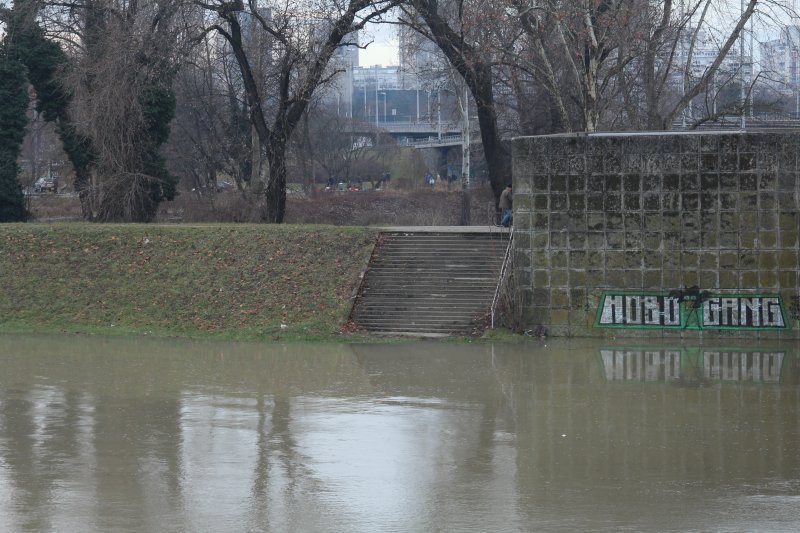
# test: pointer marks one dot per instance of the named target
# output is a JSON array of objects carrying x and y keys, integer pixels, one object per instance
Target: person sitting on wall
[{"x": 506, "y": 200}]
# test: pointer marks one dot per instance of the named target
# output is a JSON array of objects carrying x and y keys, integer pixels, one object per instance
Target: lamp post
[
  {"x": 377, "y": 115},
  {"x": 439, "y": 114},
  {"x": 795, "y": 80},
  {"x": 465, "y": 161},
  {"x": 742, "y": 93}
]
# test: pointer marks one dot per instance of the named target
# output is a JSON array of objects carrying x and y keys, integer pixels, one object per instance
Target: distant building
[
  {"x": 705, "y": 51},
  {"x": 420, "y": 60},
  {"x": 371, "y": 90},
  {"x": 779, "y": 59},
  {"x": 344, "y": 60},
  {"x": 377, "y": 76}
]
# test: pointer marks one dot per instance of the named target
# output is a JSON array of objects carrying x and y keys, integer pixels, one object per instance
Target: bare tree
[
  {"x": 656, "y": 74},
  {"x": 671, "y": 31},
  {"x": 302, "y": 40},
  {"x": 211, "y": 137},
  {"x": 453, "y": 28},
  {"x": 598, "y": 65}
]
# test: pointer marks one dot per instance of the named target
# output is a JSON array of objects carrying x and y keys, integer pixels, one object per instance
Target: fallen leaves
[{"x": 182, "y": 278}]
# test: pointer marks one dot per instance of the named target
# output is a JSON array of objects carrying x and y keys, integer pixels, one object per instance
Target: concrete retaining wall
[{"x": 687, "y": 234}]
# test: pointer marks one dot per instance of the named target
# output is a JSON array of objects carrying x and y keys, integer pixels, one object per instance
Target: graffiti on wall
[{"x": 690, "y": 308}]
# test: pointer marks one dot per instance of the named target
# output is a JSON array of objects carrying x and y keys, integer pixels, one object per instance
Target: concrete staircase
[{"x": 430, "y": 283}]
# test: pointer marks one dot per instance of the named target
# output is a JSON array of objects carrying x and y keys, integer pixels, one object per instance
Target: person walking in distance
[{"x": 506, "y": 200}]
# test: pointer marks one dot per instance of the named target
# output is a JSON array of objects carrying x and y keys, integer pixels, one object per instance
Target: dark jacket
[{"x": 506, "y": 199}]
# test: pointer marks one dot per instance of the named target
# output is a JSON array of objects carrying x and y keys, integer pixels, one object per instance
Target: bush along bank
[{"x": 248, "y": 282}]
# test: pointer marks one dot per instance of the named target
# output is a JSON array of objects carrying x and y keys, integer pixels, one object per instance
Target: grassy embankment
[{"x": 224, "y": 281}]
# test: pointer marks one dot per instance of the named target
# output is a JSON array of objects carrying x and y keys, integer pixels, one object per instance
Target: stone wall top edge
[{"x": 582, "y": 135}]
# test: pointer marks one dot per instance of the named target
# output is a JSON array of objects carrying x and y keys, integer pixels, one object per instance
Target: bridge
[{"x": 421, "y": 134}]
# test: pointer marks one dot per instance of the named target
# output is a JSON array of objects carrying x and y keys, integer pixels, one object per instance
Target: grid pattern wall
[{"x": 653, "y": 212}]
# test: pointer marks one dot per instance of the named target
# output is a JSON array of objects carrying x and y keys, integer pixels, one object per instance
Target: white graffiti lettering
[
  {"x": 740, "y": 312},
  {"x": 638, "y": 310}
]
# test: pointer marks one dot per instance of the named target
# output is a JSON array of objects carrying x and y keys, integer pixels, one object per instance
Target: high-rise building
[
  {"x": 779, "y": 59},
  {"x": 420, "y": 60},
  {"x": 345, "y": 61},
  {"x": 705, "y": 50}
]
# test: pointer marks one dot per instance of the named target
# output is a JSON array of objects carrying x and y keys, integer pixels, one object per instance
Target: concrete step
[
  {"x": 430, "y": 285},
  {"x": 439, "y": 274},
  {"x": 431, "y": 320},
  {"x": 455, "y": 240},
  {"x": 426, "y": 325},
  {"x": 386, "y": 305},
  {"x": 442, "y": 256},
  {"x": 442, "y": 296},
  {"x": 438, "y": 277},
  {"x": 423, "y": 248},
  {"x": 414, "y": 263},
  {"x": 433, "y": 286},
  {"x": 397, "y": 310},
  {"x": 422, "y": 328},
  {"x": 416, "y": 316}
]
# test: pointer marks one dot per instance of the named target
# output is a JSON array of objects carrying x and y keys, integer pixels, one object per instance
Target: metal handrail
[{"x": 503, "y": 270}]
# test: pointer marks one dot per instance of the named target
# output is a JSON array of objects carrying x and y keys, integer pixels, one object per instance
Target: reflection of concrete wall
[
  {"x": 652, "y": 431},
  {"x": 655, "y": 212}
]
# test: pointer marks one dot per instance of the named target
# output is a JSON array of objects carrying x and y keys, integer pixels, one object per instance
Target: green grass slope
[{"x": 225, "y": 281}]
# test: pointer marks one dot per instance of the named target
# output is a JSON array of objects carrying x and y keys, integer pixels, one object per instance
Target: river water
[{"x": 139, "y": 434}]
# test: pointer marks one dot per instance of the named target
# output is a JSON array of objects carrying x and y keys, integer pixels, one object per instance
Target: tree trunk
[
  {"x": 466, "y": 205},
  {"x": 83, "y": 187},
  {"x": 477, "y": 74},
  {"x": 275, "y": 207}
]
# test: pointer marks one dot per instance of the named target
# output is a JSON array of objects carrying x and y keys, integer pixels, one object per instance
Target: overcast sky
[{"x": 384, "y": 49}]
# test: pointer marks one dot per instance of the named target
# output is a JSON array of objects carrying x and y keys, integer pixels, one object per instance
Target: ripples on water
[{"x": 166, "y": 435}]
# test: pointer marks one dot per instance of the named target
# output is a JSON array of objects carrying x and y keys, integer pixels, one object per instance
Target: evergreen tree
[
  {"x": 13, "y": 104},
  {"x": 43, "y": 59},
  {"x": 158, "y": 108}
]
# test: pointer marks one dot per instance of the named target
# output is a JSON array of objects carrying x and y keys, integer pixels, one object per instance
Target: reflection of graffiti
[
  {"x": 711, "y": 365},
  {"x": 649, "y": 365},
  {"x": 743, "y": 366},
  {"x": 690, "y": 309}
]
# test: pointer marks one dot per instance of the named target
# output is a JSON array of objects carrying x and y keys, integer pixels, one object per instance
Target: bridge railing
[
  {"x": 433, "y": 141},
  {"x": 418, "y": 127},
  {"x": 414, "y": 127}
]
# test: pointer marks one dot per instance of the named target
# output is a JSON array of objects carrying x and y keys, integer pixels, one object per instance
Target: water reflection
[
  {"x": 692, "y": 365},
  {"x": 168, "y": 435}
]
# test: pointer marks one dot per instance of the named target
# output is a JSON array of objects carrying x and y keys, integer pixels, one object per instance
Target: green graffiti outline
[{"x": 687, "y": 313}]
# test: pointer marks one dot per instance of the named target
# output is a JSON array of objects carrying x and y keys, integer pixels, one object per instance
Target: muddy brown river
[{"x": 139, "y": 434}]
